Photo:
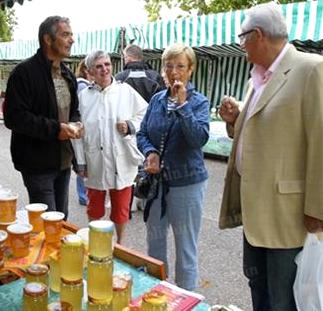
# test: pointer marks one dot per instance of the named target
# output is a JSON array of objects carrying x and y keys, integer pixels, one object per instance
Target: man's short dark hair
[
  {"x": 49, "y": 27},
  {"x": 134, "y": 51}
]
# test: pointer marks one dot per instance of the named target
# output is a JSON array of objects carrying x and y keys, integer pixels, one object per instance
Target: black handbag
[{"x": 145, "y": 184}]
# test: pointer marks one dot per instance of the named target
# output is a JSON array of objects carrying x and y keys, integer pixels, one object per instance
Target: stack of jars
[
  {"x": 71, "y": 270},
  {"x": 100, "y": 265}
]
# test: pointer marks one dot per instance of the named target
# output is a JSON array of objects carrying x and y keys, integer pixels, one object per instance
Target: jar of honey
[
  {"x": 72, "y": 257},
  {"x": 99, "y": 280},
  {"x": 37, "y": 273},
  {"x": 154, "y": 301},
  {"x": 72, "y": 292},
  {"x": 35, "y": 297},
  {"x": 54, "y": 272},
  {"x": 59, "y": 306},
  {"x": 3, "y": 238},
  {"x": 100, "y": 239},
  {"x": 120, "y": 293}
]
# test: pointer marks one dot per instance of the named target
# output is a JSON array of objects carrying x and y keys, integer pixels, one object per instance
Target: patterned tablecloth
[{"x": 11, "y": 294}]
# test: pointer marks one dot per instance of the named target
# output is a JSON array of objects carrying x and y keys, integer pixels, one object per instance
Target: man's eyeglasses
[
  {"x": 242, "y": 36},
  {"x": 178, "y": 67}
]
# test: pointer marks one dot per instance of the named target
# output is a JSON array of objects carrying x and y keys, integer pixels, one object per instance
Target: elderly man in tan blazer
[{"x": 274, "y": 180}]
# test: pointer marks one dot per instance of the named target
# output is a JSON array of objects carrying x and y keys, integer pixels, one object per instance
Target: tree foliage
[
  {"x": 153, "y": 7},
  {"x": 7, "y": 24}
]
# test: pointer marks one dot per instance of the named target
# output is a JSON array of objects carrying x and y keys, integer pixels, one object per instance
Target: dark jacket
[
  {"x": 31, "y": 113},
  {"x": 189, "y": 131},
  {"x": 142, "y": 78}
]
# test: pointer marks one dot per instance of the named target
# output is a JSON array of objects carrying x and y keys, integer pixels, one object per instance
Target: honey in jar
[
  {"x": 120, "y": 294},
  {"x": 54, "y": 271},
  {"x": 3, "y": 238},
  {"x": 154, "y": 301},
  {"x": 37, "y": 273},
  {"x": 59, "y": 306},
  {"x": 92, "y": 306},
  {"x": 100, "y": 238},
  {"x": 72, "y": 257},
  {"x": 99, "y": 280},
  {"x": 72, "y": 292},
  {"x": 35, "y": 297}
]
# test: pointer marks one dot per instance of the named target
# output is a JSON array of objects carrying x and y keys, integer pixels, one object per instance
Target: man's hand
[
  {"x": 229, "y": 110},
  {"x": 122, "y": 127},
  {"x": 312, "y": 224},
  {"x": 66, "y": 132},
  {"x": 152, "y": 163}
]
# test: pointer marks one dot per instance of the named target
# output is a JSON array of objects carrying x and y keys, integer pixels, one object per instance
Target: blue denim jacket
[{"x": 189, "y": 131}]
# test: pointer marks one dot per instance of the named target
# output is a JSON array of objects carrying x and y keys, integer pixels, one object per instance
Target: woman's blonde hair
[
  {"x": 178, "y": 49},
  {"x": 81, "y": 70}
]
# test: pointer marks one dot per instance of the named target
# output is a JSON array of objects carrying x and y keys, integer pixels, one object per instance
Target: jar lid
[
  {"x": 100, "y": 261},
  {"x": 36, "y": 207},
  {"x": 3, "y": 235},
  {"x": 72, "y": 240},
  {"x": 101, "y": 225},
  {"x": 52, "y": 216},
  {"x": 60, "y": 306},
  {"x": 7, "y": 195},
  {"x": 35, "y": 289},
  {"x": 37, "y": 269},
  {"x": 19, "y": 228},
  {"x": 155, "y": 298},
  {"x": 119, "y": 283}
]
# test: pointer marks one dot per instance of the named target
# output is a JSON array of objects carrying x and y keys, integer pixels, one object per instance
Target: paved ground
[{"x": 221, "y": 279}]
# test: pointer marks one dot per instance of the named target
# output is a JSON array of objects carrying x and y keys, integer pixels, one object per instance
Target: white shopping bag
[{"x": 308, "y": 285}]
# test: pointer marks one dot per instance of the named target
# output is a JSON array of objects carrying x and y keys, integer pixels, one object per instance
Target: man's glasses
[{"x": 242, "y": 36}]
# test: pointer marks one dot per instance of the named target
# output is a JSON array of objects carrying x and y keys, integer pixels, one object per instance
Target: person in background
[
  {"x": 138, "y": 74},
  {"x": 107, "y": 155},
  {"x": 83, "y": 80},
  {"x": 183, "y": 114},
  {"x": 273, "y": 185},
  {"x": 41, "y": 100}
]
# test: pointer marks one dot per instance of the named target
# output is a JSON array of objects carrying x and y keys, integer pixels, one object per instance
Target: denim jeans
[
  {"x": 271, "y": 274},
  {"x": 184, "y": 215},
  {"x": 81, "y": 190},
  {"x": 49, "y": 188}
]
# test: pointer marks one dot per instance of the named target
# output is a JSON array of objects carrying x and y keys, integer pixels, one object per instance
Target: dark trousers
[
  {"x": 50, "y": 188},
  {"x": 271, "y": 274}
]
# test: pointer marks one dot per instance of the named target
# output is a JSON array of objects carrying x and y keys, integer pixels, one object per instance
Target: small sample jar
[
  {"x": 120, "y": 294},
  {"x": 37, "y": 273},
  {"x": 59, "y": 306},
  {"x": 100, "y": 239},
  {"x": 99, "y": 280},
  {"x": 35, "y": 297},
  {"x": 54, "y": 272},
  {"x": 3, "y": 238},
  {"x": 128, "y": 278},
  {"x": 92, "y": 306},
  {"x": 154, "y": 301},
  {"x": 72, "y": 292},
  {"x": 72, "y": 257}
]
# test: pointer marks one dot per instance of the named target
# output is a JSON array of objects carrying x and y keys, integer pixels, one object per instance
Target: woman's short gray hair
[
  {"x": 178, "y": 49},
  {"x": 268, "y": 18},
  {"x": 94, "y": 56}
]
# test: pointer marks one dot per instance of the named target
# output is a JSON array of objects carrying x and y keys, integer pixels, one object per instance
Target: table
[{"x": 146, "y": 272}]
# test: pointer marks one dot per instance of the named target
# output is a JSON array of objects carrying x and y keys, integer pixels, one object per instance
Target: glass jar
[
  {"x": 100, "y": 239},
  {"x": 3, "y": 238},
  {"x": 99, "y": 280},
  {"x": 128, "y": 278},
  {"x": 120, "y": 294},
  {"x": 72, "y": 256},
  {"x": 35, "y": 297},
  {"x": 59, "y": 306},
  {"x": 54, "y": 272},
  {"x": 92, "y": 306},
  {"x": 37, "y": 273},
  {"x": 72, "y": 292},
  {"x": 154, "y": 301}
]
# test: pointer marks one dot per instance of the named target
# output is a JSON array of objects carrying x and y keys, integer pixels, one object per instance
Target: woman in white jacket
[{"x": 107, "y": 155}]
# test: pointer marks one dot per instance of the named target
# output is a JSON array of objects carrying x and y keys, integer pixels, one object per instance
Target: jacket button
[{"x": 101, "y": 148}]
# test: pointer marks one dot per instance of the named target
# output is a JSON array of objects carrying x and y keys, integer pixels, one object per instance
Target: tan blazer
[{"x": 282, "y": 157}]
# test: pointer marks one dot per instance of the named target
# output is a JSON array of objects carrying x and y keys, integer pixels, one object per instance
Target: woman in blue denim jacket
[{"x": 175, "y": 128}]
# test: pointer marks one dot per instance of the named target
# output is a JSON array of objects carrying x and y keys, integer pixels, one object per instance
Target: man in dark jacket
[
  {"x": 40, "y": 102},
  {"x": 138, "y": 74}
]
